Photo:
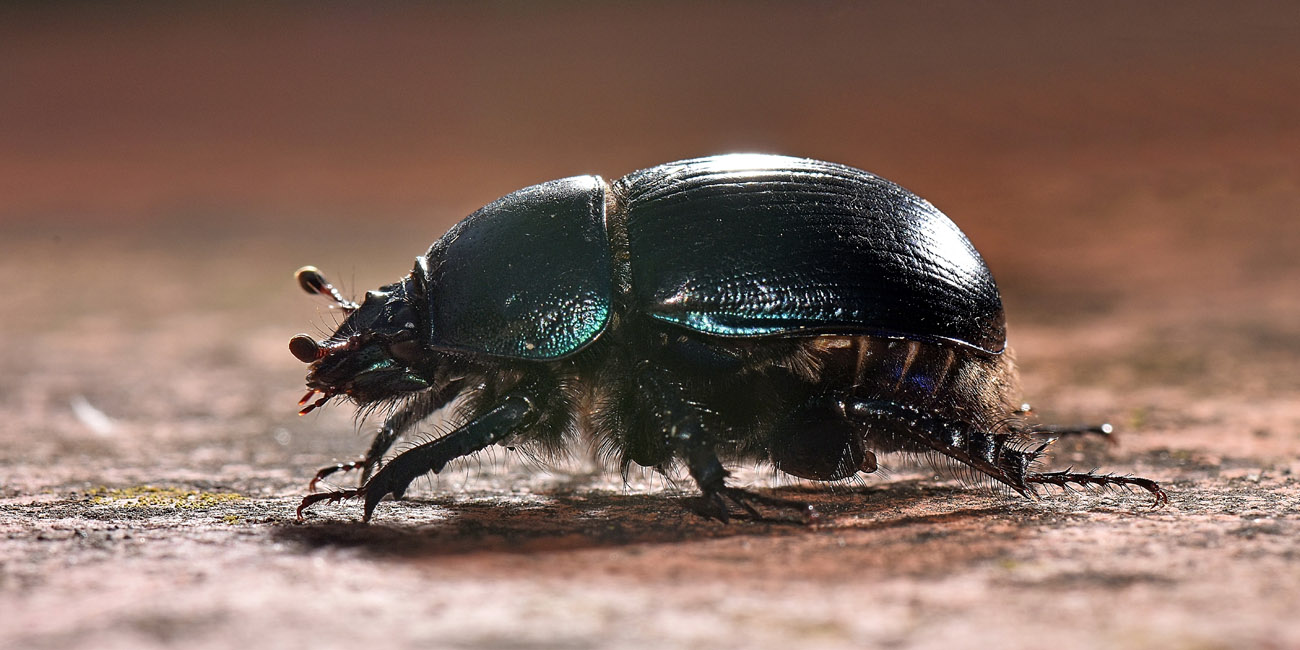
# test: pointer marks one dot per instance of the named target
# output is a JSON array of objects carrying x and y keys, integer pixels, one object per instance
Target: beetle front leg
[
  {"x": 396, "y": 424},
  {"x": 517, "y": 410}
]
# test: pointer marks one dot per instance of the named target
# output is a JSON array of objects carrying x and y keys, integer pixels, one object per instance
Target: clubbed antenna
[{"x": 311, "y": 281}]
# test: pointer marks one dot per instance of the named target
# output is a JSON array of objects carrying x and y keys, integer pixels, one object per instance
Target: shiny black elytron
[{"x": 730, "y": 308}]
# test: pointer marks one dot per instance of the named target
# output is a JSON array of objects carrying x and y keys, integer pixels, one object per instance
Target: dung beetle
[{"x": 742, "y": 307}]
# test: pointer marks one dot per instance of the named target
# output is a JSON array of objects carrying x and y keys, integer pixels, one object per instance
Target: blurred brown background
[
  {"x": 1129, "y": 170},
  {"x": 388, "y": 109}
]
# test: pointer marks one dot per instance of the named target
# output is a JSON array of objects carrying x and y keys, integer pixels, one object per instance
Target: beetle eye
[{"x": 406, "y": 350}]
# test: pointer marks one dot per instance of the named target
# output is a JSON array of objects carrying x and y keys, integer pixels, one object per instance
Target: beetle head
[{"x": 377, "y": 352}]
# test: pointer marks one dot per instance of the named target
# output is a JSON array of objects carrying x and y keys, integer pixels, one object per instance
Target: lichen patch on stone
[{"x": 148, "y": 496}]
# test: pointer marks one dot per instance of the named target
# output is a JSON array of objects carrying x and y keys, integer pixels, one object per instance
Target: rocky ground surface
[{"x": 152, "y": 462}]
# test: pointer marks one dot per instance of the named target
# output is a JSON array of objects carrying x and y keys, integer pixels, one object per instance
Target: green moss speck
[{"x": 148, "y": 496}]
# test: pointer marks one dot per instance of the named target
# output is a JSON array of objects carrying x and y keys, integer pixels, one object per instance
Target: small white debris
[
  {"x": 282, "y": 436},
  {"x": 93, "y": 418}
]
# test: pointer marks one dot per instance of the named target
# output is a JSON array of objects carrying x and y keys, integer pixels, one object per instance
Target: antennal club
[{"x": 311, "y": 281}]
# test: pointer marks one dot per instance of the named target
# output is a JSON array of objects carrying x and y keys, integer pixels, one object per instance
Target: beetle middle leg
[
  {"x": 680, "y": 428},
  {"x": 707, "y": 470},
  {"x": 1103, "y": 429}
]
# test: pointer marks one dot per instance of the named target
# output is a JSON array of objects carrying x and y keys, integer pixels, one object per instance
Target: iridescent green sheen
[
  {"x": 753, "y": 245},
  {"x": 529, "y": 276}
]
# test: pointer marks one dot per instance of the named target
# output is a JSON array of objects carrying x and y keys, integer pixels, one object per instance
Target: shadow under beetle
[{"x": 742, "y": 307}]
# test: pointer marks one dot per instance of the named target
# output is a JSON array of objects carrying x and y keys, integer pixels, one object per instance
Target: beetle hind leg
[
  {"x": 998, "y": 456},
  {"x": 1093, "y": 479},
  {"x": 1001, "y": 456}
]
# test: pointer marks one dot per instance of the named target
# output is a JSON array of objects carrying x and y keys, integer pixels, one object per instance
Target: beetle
[{"x": 744, "y": 307}]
